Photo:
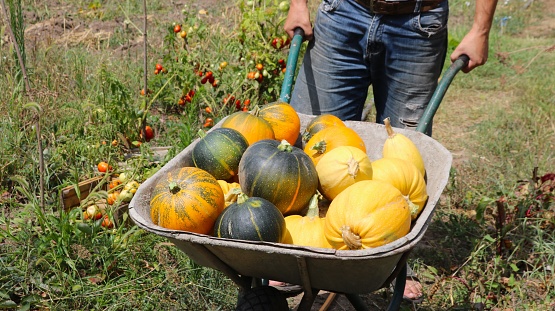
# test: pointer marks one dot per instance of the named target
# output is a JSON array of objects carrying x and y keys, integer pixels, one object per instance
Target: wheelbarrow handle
[
  {"x": 294, "y": 49},
  {"x": 437, "y": 97}
]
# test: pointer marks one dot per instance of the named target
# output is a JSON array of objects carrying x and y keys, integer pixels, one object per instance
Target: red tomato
[
  {"x": 177, "y": 28},
  {"x": 149, "y": 133},
  {"x": 159, "y": 67}
]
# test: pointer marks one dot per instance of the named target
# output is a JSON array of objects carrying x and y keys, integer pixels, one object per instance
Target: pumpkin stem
[
  {"x": 320, "y": 147},
  {"x": 255, "y": 111},
  {"x": 201, "y": 133},
  {"x": 313, "y": 210},
  {"x": 285, "y": 146},
  {"x": 351, "y": 239},
  {"x": 413, "y": 208},
  {"x": 242, "y": 198},
  {"x": 388, "y": 128},
  {"x": 353, "y": 167},
  {"x": 174, "y": 187}
]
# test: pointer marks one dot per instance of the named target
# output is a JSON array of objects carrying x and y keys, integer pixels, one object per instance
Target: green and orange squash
[{"x": 187, "y": 199}]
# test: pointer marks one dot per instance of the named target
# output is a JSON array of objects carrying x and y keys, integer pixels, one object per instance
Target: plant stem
[{"x": 29, "y": 94}]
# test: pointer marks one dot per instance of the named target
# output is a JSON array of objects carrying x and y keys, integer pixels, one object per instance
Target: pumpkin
[
  {"x": 367, "y": 214},
  {"x": 319, "y": 123},
  {"x": 340, "y": 168},
  {"x": 251, "y": 218},
  {"x": 188, "y": 199},
  {"x": 307, "y": 230},
  {"x": 404, "y": 176},
  {"x": 331, "y": 137},
  {"x": 230, "y": 190},
  {"x": 280, "y": 173},
  {"x": 401, "y": 147},
  {"x": 253, "y": 127},
  {"x": 284, "y": 120},
  {"x": 219, "y": 151}
]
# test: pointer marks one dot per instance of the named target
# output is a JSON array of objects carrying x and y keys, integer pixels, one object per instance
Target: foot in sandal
[{"x": 413, "y": 288}]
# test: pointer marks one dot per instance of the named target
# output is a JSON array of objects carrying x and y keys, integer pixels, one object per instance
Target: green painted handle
[
  {"x": 294, "y": 49},
  {"x": 437, "y": 97}
]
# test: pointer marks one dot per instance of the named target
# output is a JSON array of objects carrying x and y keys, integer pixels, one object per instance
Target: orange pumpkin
[
  {"x": 404, "y": 176},
  {"x": 307, "y": 230},
  {"x": 253, "y": 127},
  {"x": 284, "y": 120},
  {"x": 367, "y": 214},
  {"x": 188, "y": 199},
  {"x": 319, "y": 123},
  {"x": 331, "y": 137},
  {"x": 340, "y": 168}
]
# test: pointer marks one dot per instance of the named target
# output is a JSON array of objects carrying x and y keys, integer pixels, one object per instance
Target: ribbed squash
[
  {"x": 253, "y": 127},
  {"x": 401, "y": 147},
  {"x": 231, "y": 190},
  {"x": 404, "y": 176},
  {"x": 319, "y": 123},
  {"x": 367, "y": 214},
  {"x": 331, "y": 137},
  {"x": 284, "y": 120},
  {"x": 253, "y": 219},
  {"x": 280, "y": 173},
  {"x": 188, "y": 199},
  {"x": 219, "y": 151},
  {"x": 307, "y": 230},
  {"x": 340, "y": 168}
]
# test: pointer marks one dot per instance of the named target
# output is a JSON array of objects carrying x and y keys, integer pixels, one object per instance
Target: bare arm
[
  {"x": 298, "y": 16},
  {"x": 475, "y": 43}
]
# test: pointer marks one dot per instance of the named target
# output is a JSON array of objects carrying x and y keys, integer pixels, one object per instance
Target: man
[{"x": 397, "y": 47}]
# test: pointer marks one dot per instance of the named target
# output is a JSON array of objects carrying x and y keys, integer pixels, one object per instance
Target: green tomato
[{"x": 284, "y": 6}]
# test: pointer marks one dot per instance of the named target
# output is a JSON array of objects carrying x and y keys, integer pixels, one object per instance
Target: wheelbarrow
[{"x": 349, "y": 272}]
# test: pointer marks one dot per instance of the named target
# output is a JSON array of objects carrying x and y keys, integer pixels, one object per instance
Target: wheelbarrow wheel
[{"x": 262, "y": 298}]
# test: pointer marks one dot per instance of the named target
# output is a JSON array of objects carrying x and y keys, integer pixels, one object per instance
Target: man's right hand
[{"x": 298, "y": 16}]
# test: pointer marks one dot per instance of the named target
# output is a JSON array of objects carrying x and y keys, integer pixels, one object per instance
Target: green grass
[{"x": 497, "y": 121}]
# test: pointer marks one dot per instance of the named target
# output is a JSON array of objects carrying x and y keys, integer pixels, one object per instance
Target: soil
[{"x": 66, "y": 24}]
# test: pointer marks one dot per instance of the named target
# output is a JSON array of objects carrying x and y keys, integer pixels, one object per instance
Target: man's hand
[
  {"x": 476, "y": 42},
  {"x": 298, "y": 16}
]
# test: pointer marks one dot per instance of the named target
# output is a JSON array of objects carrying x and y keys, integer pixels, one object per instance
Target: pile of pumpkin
[{"x": 248, "y": 180}]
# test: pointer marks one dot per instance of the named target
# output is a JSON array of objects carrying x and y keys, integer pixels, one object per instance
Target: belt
[{"x": 398, "y": 7}]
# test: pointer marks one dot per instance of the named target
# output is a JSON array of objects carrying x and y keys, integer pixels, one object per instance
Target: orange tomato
[
  {"x": 107, "y": 223},
  {"x": 103, "y": 167},
  {"x": 149, "y": 133},
  {"x": 112, "y": 198}
]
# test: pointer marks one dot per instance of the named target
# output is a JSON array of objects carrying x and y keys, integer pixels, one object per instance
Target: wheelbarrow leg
[
  {"x": 308, "y": 300},
  {"x": 400, "y": 282}
]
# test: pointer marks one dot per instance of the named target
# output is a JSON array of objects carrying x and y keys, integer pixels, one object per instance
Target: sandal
[{"x": 413, "y": 284}]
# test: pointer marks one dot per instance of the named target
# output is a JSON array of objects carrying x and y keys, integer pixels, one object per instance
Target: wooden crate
[{"x": 69, "y": 198}]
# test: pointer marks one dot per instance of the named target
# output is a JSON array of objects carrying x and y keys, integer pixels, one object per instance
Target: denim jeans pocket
[
  {"x": 329, "y": 5},
  {"x": 432, "y": 22}
]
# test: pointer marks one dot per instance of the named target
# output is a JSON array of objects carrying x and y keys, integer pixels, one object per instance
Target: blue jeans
[{"x": 401, "y": 56}]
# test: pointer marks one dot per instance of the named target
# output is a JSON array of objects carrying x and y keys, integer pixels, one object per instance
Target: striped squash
[
  {"x": 280, "y": 173},
  {"x": 219, "y": 151},
  {"x": 188, "y": 199}
]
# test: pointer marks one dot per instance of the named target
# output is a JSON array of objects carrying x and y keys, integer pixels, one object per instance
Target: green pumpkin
[
  {"x": 253, "y": 219},
  {"x": 219, "y": 151},
  {"x": 280, "y": 173}
]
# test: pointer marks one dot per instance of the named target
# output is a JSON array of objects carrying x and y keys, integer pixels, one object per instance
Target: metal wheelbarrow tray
[{"x": 351, "y": 272}]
